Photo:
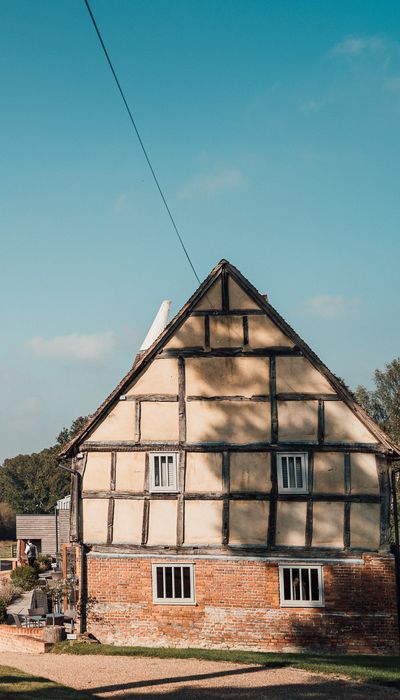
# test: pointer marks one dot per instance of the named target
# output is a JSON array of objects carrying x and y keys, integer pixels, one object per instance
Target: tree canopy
[
  {"x": 383, "y": 401},
  {"x": 34, "y": 483}
]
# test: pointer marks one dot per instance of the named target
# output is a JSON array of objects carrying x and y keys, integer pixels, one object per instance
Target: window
[
  {"x": 301, "y": 586},
  {"x": 173, "y": 584},
  {"x": 293, "y": 473},
  {"x": 163, "y": 471}
]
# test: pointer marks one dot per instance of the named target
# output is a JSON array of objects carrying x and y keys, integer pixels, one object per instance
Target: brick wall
[
  {"x": 27, "y": 640},
  {"x": 237, "y": 607}
]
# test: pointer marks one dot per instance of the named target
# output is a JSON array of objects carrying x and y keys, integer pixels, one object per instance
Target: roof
[{"x": 143, "y": 359}]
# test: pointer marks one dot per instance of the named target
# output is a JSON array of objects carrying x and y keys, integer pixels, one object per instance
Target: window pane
[
  {"x": 295, "y": 584},
  {"x": 314, "y": 584},
  {"x": 299, "y": 473},
  {"x": 160, "y": 582},
  {"x": 285, "y": 483},
  {"x": 168, "y": 582},
  {"x": 163, "y": 471},
  {"x": 286, "y": 584},
  {"x": 305, "y": 584},
  {"x": 171, "y": 475},
  {"x": 178, "y": 581},
  {"x": 292, "y": 478},
  {"x": 186, "y": 582},
  {"x": 156, "y": 471}
]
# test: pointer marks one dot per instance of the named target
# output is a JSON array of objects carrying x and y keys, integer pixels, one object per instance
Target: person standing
[{"x": 31, "y": 552}]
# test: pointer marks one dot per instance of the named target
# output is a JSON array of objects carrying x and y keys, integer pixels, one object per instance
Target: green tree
[
  {"x": 34, "y": 483},
  {"x": 383, "y": 401}
]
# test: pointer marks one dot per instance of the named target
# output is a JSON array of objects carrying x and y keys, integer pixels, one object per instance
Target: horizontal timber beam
[
  {"x": 131, "y": 446},
  {"x": 228, "y": 312},
  {"x": 246, "y": 551},
  {"x": 229, "y": 352},
  {"x": 237, "y": 496},
  {"x": 150, "y": 397}
]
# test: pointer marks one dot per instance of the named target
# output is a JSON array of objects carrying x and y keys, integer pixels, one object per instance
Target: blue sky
[{"x": 274, "y": 130}]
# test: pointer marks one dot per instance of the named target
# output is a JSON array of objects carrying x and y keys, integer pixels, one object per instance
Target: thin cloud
[
  {"x": 360, "y": 45},
  {"x": 120, "y": 203},
  {"x": 330, "y": 307},
  {"x": 213, "y": 183},
  {"x": 77, "y": 347},
  {"x": 313, "y": 105}
]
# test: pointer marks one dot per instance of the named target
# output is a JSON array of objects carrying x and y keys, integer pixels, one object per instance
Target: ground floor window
[
  {"x": 301, "y": 586},
  {"x": 173, "y": 584}
]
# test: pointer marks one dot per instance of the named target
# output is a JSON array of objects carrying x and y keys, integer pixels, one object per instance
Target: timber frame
[{"x": 384, "y": 449}]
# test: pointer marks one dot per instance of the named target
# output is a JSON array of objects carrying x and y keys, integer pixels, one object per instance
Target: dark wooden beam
[
  {"x": 131, "y": 446},
  {"x": 294, "y": 553},
  {"x": 309, "y": 523},
  {"x": 113, "y": 475},
  {"x": 321, "y": 421},
  {"x": 229, "y": 312},
  {"x": 138, "y": 411},
  {"x": 207, "y": 345},
  {"x": 180, "y": 522},
  {"x": 237, "y": 495},
  {"x": 226, "y": 490},
  {"x": 225, "y": 291},
  {"x": 145, "y": 521},
  {"x": 152, "y": 397},
  {"x": 306, "y": 397},
  {"x": 274, "y": 405},
  {"x": 245, "y": 330},
  {"x": 229, "y": 352},
  {"x": 347, "y": 473},
  {"x": 271, "y": 537},
  {"x": 384, "y": 487},
  {"x": 75, "y": 498},
  {"x": 182, "y": 403},
  {"x": 259, "y": 397},
  {"x": 110, "y": 520}
]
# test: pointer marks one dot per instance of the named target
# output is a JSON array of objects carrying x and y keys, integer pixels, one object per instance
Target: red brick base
[{"x": 237, "y": 607}]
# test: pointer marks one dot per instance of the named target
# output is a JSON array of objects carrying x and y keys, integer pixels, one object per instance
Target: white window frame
[
  {"x": 174, "y": 601},
  {"x": 320, "y": 603},
  {"x": 163, "y": 489},
  {"x": 304, "y": 467}
]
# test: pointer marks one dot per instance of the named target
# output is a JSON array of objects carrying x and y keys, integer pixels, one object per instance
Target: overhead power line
[{"x": 140, "y": 140}]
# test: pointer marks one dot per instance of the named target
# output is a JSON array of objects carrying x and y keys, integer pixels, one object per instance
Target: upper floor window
[
  {"x": 293, "y": 472},
  {"x": 301, "y": 586},
  {"x": 164, "y": 471}
]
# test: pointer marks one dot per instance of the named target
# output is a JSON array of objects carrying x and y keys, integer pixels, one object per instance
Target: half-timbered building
[{"x": 231, "y": 493}]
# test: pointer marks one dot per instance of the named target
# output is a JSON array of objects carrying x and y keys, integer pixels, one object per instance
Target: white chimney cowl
[{"x": 158, "y": 325}]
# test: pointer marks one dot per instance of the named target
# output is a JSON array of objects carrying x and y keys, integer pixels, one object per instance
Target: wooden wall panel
[
  {"x": 297, "y": 375},
  {"x": 130, "y": 470},
  {"x": 97, "y": 471},
  {"x": 291, "y": 523},
  {"x": 365, "y": 525},
  {"x": 298, "y": 420},
  {"x": 341, "y": 424},
  {"x": 203, "y": 472},
  {"x": 128, "y": 519},
  {"x": 95, "y": 514},
  {"x": 227, "y": 376},
  {"x": 159, "y": 421},
  {"x": 364, "y": 475},
  {"x": 212, "y": 299},
  {"x": 191, "y": 334},
  {"x": 238, "y": 299},
  {"x": 161, "y": 377},
  {"x": 250, "y": 471},
  {"x": 228, "y": 421},
  {"x": 248, "y": 522},
  {"x": 119, "y": 424},
  {"x": 329, "y": 472},
  {"x": 162, "y": 522},
  {"x": 328, "y": 522},
  {"x": 263, "y": 333},
  {"x": 203, "y": 522},
  {"x": 226, "y": 332}
]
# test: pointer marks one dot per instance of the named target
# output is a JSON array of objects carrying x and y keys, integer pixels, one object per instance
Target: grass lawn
[
  {"x": 17, "y": 684},
  {"x": 378, "y": 669}
]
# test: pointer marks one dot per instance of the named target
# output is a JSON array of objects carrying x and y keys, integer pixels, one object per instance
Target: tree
[
  {"x": 34, "y": 483},
  {"x": 383, "y": 402},
  {"x": 7, "y": 522}
]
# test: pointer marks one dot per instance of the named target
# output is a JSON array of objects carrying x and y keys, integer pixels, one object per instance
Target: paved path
[{"x": 189, "y": 679}]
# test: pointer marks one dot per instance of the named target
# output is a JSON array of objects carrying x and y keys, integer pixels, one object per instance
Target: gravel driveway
[{"x": 188, "y": 679}]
